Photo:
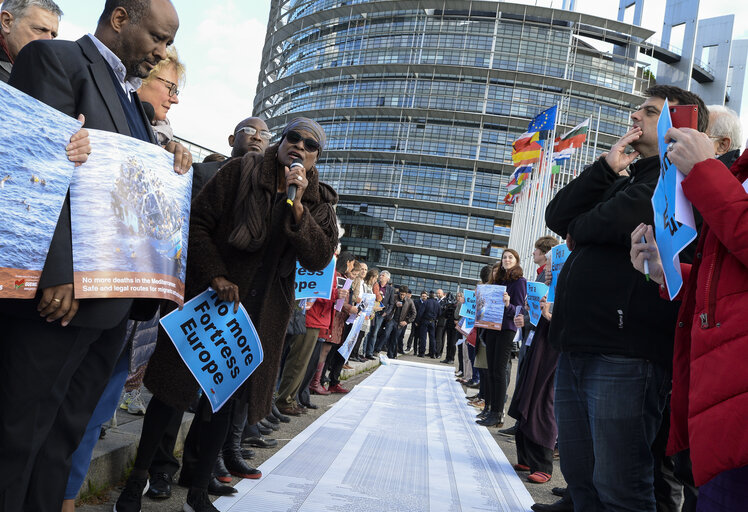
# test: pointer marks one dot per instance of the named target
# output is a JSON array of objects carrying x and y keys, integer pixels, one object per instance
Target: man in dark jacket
[
  {"x": 403, "y": 314},
  {"x": 615, "y": 334},
  {"x": 22, "y": 22},
  {"x": 429, "y": 312},
  {"x": 384, "y": 317}
]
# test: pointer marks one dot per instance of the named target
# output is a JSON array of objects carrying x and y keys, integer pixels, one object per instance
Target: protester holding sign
[
  {"x": 709, "y": 401},
  {"x": 616, "y": 346},
  {"x": 249, "y": 240},
  {"x": 499, "y": 344}
]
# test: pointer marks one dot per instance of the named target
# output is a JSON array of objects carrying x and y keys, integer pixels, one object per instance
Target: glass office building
[{"x": 421, "y": 101}]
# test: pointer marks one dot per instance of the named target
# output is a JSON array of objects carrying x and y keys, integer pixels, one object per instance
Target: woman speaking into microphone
[{"x": 244, "y": 242}]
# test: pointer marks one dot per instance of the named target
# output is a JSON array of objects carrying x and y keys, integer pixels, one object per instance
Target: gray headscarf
[{"x": 309, "y": 125}]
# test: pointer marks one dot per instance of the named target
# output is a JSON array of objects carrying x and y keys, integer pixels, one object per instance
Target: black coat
[
  {"x": 74, "y": 78},
  {"x": 602, "y": 304}
]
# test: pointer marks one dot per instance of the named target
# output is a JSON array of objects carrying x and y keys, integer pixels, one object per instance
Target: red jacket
[{"x": 710, "y": 375}]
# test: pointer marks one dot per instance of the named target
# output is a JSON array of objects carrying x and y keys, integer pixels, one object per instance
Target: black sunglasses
[{"x": 309, "y": 144}]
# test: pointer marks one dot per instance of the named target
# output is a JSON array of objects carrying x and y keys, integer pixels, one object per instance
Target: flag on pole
[
  {"x": 543, "y": 123},
  {"x": 574, "y": 138},
  {"x": 526, "y": 149}
]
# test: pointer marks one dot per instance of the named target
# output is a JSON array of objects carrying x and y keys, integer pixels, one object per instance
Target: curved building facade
[{"x": 421, "y": 101}]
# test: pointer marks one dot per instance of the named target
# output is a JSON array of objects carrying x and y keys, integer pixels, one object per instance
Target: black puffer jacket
[{"x": 602, "y": 304}]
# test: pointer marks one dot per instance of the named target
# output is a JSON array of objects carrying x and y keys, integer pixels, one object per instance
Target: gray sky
[{"x": 221, "y": 43}]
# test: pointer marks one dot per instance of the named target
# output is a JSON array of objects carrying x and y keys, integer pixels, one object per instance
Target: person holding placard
[
  {"x": 499, "y": 343},
  {"x": 616, "y": 343},
  {"x": 249, "y": 239},
  {"x": 709, "y": 401}
]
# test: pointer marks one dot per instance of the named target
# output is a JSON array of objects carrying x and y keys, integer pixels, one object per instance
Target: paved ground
[{"x": 540, "y": 492}]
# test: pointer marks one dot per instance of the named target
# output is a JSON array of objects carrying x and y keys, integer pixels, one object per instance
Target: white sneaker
[
  {"x": 458, "y": 374},
  {"x": 136, "y": 405},
  {"x": 126, "y": 399}
]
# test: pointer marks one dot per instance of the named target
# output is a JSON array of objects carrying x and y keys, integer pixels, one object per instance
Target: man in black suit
[
  {"x": 58, "y": 352},
  {"x": 428, "y": 313}
]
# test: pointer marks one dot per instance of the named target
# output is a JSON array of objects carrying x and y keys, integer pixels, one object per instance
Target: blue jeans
[
  {"x": 608, "y": 410},
  {"x": 105, "y": 409},
  {"x": 394, "y": 338},
  {"x": 371, "y": 339},
  {"x": 383, "y": 338}
]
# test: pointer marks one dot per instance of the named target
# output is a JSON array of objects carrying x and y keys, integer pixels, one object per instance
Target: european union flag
[{"x": 543, "y": 121}]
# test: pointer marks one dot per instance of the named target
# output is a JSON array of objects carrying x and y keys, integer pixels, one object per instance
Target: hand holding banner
[
  {"x": 219, "y": 347},
  {"x": 535, "y": 292}
]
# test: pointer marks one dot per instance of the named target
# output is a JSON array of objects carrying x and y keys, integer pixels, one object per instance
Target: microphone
[
  {"x": 150, "y": 112},
  {"x": 296, "y": 162}
]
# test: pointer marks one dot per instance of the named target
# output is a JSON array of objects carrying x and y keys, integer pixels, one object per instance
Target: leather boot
[
  {"x": 315, "y": 387},
  {"x": 220, "y": 471},
  {"x": 232, "y": 447}
]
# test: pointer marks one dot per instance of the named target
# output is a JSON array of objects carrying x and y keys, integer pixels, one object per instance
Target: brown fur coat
[{"x": 265, "y": 275}]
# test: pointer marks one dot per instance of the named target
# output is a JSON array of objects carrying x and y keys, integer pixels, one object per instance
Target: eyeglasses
[
  {"x": 251, "y": 130},
  {"x": 173, "y": 90},
  {"x": 309, "y": 144}
]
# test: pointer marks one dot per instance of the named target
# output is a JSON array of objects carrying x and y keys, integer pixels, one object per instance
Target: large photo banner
[
  {"x": 34, "y": 178},
  {"x": 130, "y": 221},
  {"x": 489, "y": 308},
  {"x": 219, "y": 347},
  {"x": 672, "y": 236}
]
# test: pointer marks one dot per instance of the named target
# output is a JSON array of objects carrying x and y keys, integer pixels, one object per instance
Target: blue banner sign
[
  {"x": 672, "y": 236},
  {"x": 220, "y": 348},
  {"x": 559, "y": 255},
  {"x": 314, "y": 284},
  {"x": 535, "y": 292},
  {"x": 468, "y": 307}
]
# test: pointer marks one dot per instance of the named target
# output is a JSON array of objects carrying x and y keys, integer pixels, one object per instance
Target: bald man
[{"x": 250, "y": 136}]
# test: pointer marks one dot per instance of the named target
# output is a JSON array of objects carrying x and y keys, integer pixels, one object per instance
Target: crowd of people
[{"x": 642, "y": 397}]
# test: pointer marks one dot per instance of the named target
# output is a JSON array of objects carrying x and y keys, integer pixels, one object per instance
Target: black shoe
[
  {"x": 272, "y": 419},
  {"x": 264, "y": 430},
  {"x": 131, "y": 496},
  {"x": 482, "y": 414},
  {"x": 447, "y": 361},
  {"x": 473, "y": 385},
  {"x": 239, "y": 468},
  {"x": 220, "y": 471},
  {"x": 420, "y": 355},
  {"x": 560, "y": 491},
  {"x": 159, "y": 487},
  {"x": 247, "y": 453},
  {"x": 282, "y": 417},
  {"x": 563, "y": 505},
  {"x": 308, "y": 405},
  {"x": 261, "y": 442},
  {"x": 490, "y": 420},
  {"x": 198, "y": 501},
  {"x": 272, "y": 426},
  {"x": 432, "y": 356},
  {"x": 511, "y": 431},
  {"x": 216, "y": 488}
]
